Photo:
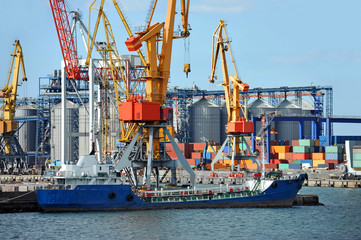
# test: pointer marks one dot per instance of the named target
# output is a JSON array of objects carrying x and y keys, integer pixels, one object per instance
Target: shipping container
[
  {"x": 322, "y": 166},
  {"x": 280, "y": 149},
  {"x": 333, "y": 149},
  {"x": 271, "y": 165},
  {"x": 306, "y": 142},
  {"x": 301, "y": 149},
  {"x": 318, "y": 156},
  {"x": 318, "y": 162},
  {"x": 283, "y": 166},
  {"x": 333, "y": 156},
  {"x": 307, "y": 161},
  {"x": 295, "y": 166},
  {"x": 301, "y": 156},
  {"x": 294, "y": 142}
]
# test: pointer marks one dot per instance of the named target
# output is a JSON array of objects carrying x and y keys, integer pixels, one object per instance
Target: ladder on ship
[
  {"x": 256, "y": 185},
  {"x": 130, "y": 176}
]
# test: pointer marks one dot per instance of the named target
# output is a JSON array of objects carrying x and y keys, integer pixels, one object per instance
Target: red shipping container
[
  {"x": 278, "y": 161},
  {"x": 198, "y": 146},
  {"x": 271, "y": 166},
  {"x": 294, "y": 142},
  {"x": 331, "y": 166},
  {"x": 168, "y": 147},
  {"x": 301, "y": 156},
  {"x": 287, "y": 142},
  {"x": 191, "y": 161},
  {"x": 275, "y": 143},
  {"x": 333, "y": 161},
  {"x": 196, "y": 155},
  {"x": 289, "y": 156},
  {"x": 172, "y": 155}
]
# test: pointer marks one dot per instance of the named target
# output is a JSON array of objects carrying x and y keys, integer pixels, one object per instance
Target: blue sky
[{"x": 275, "y": 43}]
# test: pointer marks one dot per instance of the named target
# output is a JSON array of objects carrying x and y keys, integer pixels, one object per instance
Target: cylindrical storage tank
[
  {"x": 114, "y": 126},
  {"x": 224, "y": 121},
  {"x": 56, "y": 131},
  {"x": 307, "y": 111},
  {"x": 205, "y": 121},
  {"x": 27, "y": 132},
  {"x": 258, "y": 108},
  {"x": 287, "y": 130},
  {"x": 84, "y": 129}
]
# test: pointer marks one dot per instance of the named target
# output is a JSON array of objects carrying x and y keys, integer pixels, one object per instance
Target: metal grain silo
[
  {"x": 205, "y": 121},
  {"x": 70, "y": 123},
  {"x": 224, "y": 121},
  {"x": 258, "y": 108},
  {"x": 308, "y": 110},
  {"x": 287, "y": 130},
  {"x": 27, "y": 131},
  {"x": 84, "y": 128}
]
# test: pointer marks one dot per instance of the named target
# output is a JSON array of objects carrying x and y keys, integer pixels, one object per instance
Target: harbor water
[{"x": 339, "y": 218}]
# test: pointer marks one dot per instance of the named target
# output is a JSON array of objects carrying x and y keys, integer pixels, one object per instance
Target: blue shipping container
[
  {"x": 307, "y": 161},
  {"x": 295, "y": 166},
  {"x": 333, "y": 156},
  {"x": 227, "y": 149}
]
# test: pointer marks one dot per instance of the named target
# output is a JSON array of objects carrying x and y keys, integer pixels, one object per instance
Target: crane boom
[
  {"x": 7, "y": 123},
  {"x": 232, "y": 84},
  {"x": 158, "y": 64},
  {"x": 9, "y": 92},
  {"x": 63, "y": 29}
]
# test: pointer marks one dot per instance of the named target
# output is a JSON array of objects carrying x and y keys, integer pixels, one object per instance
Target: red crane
[{"x": 73, "y": 70}]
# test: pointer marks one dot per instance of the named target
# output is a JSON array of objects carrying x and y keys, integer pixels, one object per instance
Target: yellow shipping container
[
  {"x": 316, "y": 162},
  {"x": 317, "y": 142},
  {"x": 216, "y": 148},
  {"x": 282, "y": 155}
]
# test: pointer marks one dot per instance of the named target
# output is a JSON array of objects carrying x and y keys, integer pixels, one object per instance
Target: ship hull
[{"x": 120, "y": 197}]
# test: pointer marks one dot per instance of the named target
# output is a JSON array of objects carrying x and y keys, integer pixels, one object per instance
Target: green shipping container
[
  {"x": 356, "y": 164},
  {"x": 242, "y": 146},
  {"x": 297, "y": 161},
  {"x": 306, "y": 142},
  {"x": 333, "y": 149},
  {"x": 356, "y": 156},
  {"x": 301, "y": 149},
  {"x": 283, "y": 166}
]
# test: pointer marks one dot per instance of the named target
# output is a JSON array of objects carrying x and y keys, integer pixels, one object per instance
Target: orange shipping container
[
  {"x": 219, "y": 165},
  {"x": 318, "y": 156},
  {"x": 280, "y": 149}
]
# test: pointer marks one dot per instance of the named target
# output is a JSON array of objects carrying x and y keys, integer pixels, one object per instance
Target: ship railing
[
  {"x": 289, "y": 177},
  {"x": 194, "y": 194}
]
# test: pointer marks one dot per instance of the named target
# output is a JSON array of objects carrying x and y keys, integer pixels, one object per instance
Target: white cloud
[{"x": 224, "y": 6}]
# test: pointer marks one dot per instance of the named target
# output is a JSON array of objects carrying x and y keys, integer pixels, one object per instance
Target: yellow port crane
[
  {"x": 7, "y": 123},
  {"x": 237, "y": 125},
  {"x": 149, "y": 112}
]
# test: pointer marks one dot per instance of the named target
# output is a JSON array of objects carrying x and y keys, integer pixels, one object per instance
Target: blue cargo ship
[{"x": 89, "y": 186}]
